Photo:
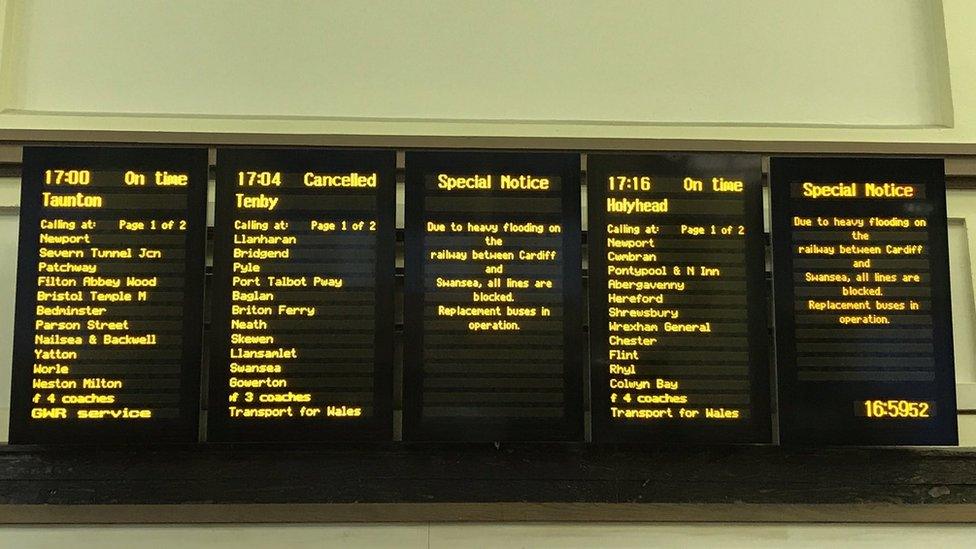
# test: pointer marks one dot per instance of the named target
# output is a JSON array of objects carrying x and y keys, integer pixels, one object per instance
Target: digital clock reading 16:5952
[{"x": 894, "y": 409}]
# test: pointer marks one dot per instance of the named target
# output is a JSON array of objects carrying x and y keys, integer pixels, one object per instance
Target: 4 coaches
[{"x": 108, "y": 339}]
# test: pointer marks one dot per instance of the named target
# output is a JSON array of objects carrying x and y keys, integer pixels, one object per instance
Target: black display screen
[
  {"x": 678, "y": 324},
  {"x": 302, "y": 343},
  {"x": 863, "y": 323},
  {"x": 109, "y": 295},
  {"x": 492, "y": 297}
]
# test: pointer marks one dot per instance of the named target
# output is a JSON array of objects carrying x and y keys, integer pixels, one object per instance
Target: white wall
[
  {"x": 963, "y": 306},
  {"x": 9, "y": 227},
  {"x": 835, "y": 62},
  {"x": 858, "y": 71}
]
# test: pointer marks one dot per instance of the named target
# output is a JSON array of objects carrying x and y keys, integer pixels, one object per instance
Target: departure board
[
  {"x": 109, "y": 295},
  {"x": 679, "y": 343},
  {"x": 492, "y": 297},
  {"x": 302, "y": 344},
  {"x": 861, "y": 277}
]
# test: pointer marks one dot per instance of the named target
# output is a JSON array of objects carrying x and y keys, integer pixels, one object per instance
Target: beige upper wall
[
  {"x": 834, "y": 62},
  {"x": 752, "y": 70}
]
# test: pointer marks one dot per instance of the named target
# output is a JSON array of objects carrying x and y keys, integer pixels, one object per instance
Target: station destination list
[
  {"x": 109, "y": 305},
  {"x": 493, "y": 286},
  {"x": 303, "y": 295},
  {"x": 864, "y": 341},
  {"x": 677, "y": 303}
]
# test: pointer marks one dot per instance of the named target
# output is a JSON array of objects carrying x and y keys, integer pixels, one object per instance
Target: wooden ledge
[{"x": 408, "y": 482}]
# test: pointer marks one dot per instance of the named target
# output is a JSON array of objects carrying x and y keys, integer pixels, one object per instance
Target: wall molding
[
  {"x": 962, "y": 208},
  {"x": 19, "y": 137},
  {"x": 953, "y": 134}
]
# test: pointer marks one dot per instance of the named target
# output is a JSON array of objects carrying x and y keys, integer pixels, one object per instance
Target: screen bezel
[
  {"x": 795, "y": 396},
  {"x": 747, "y": 168},
  {"x": 570, "y": 426},
  {"x": 185, "y": 428},
  {"x": 378, "y": 426}
]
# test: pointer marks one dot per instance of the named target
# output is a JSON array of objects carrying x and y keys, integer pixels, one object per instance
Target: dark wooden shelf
[{"x": 287, "y": 483}]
